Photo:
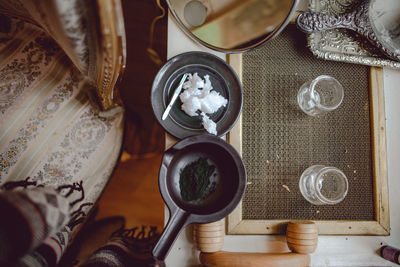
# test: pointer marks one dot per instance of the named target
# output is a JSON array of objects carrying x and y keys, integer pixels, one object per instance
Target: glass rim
[
  {"x": 321, "y": 172},
  {"x": 326, "y": 77}
]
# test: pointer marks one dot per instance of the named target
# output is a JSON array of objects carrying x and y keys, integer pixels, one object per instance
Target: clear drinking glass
[
  {"x": 321, "y": 185},
  {"x": 321, "y": 95}
]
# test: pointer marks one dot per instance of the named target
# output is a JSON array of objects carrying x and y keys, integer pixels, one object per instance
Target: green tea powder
[{"x": 194, "y": 179}]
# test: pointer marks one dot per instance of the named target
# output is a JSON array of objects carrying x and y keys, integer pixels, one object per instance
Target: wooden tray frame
[{"x": 381, "y": 225}]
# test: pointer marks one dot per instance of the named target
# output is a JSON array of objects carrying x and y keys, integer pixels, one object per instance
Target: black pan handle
[
  {"x": 177, "y": 220},
  {"x": 168, "y": 156}
]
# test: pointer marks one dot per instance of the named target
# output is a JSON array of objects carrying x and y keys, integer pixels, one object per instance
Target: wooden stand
[
  {"x": 209, "y": 237},
  {"x": 302, "y": 238}
]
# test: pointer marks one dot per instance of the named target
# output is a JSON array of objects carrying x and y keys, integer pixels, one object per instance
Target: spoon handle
[{"x": 309, "y": 21}]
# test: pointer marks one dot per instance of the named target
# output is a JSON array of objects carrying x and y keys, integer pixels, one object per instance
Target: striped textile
[
  {"x": 39, "y": 213},
  {"x": 127, "y": 248},
  {"x": 48, "y": 253}
]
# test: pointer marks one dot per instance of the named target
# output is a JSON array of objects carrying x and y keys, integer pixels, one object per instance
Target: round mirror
[
  {"x": 232, "y": 26},
  {"x": 384, "y": 16}
]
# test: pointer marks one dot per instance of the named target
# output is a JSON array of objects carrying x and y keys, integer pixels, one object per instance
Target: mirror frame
[{"x": 274, "y": 33}]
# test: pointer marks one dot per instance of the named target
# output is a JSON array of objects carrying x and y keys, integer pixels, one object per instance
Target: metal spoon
[{"x": 174, "y": 97}]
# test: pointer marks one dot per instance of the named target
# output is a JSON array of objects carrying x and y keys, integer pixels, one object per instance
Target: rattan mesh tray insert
[{"x": 278, "y": 141}]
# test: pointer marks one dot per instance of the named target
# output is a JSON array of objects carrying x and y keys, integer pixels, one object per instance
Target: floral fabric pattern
[
  {"x": 26, "y": 67},
  {"x": 65, "y": 162},
  {"x": 74, "y": 18},
  {"x": 91, "y": 35}
]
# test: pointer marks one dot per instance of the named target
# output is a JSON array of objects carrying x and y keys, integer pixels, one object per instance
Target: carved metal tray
[{"x": 341, "y": 44}]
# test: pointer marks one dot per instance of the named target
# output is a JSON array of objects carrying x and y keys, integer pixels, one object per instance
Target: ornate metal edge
[{"x": 365, "y": 59}]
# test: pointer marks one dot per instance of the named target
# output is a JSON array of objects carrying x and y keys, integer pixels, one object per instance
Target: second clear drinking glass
[
  {"x": 323, "y": 185},
  {"x": 321, "y": 95}
]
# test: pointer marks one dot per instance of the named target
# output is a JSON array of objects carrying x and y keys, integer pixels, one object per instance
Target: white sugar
[
  {"x": 198, "y": 97},
  {"x": 208, "y": 124}
]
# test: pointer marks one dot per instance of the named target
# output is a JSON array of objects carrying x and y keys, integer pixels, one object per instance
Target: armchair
[{"x": 61, "y": 122}]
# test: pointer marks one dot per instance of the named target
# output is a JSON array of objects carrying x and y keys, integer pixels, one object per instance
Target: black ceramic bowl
[
  {"x": 223, "y": 79},
  {"x": 229, "y": 187}
]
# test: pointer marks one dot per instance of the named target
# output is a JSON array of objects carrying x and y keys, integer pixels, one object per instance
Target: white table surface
[{"x": 332, "y": 250}]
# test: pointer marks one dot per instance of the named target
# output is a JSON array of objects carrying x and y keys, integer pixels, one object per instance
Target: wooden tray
[{"x": 380, "y": 225}]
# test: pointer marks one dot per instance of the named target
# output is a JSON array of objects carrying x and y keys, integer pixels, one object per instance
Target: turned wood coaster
[
  {"x": 209, "y": 237},
  {"x": 302, "y": 236}
]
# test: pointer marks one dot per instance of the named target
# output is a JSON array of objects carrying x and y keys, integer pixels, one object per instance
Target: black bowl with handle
[{"x": 228, "y": 187}]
